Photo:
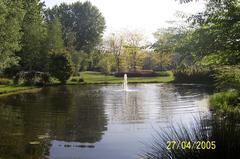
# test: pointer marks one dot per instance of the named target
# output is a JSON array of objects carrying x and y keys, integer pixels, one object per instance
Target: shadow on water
[{"x": 29, "y": 122}]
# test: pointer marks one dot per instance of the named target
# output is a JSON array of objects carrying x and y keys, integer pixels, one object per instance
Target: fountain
[{"x": 125, "y": 85}]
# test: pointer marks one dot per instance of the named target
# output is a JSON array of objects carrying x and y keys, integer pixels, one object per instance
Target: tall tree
[
  {"x": 33, "y": 54},
  {"x": 80, "y": 21},
  {"x": 115, "y": 44},
  {"x": 216, "y": 32},
  {"x": 54, "y": 40},
  {"x": 133, "y": 50},
  {"x": 11, "y": 16}
]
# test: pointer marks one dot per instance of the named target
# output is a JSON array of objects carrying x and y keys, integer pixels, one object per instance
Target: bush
[
  {"x": 163, "y": 73},
  {"x": 194, "y": 74},
  {"x": 32, "y": 78},
  {"x": 5, "y": 81},
  {"x": 228, "y": 77},
  {"x": 143, "y": 73},
  {"x": 60, "y": 65},
  {"x": 77, "y": 79},
  {"x": 74, "y": 79},
  {"x": 80, "y": 80}
]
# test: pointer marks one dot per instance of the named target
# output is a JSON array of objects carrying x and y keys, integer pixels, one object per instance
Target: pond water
[{"x": 94, "y": 121}]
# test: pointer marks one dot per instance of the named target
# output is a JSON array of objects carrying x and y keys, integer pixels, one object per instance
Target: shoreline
[{"x": 18, "y": 89}]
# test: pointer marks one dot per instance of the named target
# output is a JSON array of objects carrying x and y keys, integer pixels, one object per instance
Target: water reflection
[
  {"x": 89, "y": 121},
  {"x": 63, "y": 113}
]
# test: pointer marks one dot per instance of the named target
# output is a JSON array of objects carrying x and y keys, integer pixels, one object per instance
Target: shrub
[
  {"x": 163, "y": 73},
  {"x": 74, "y": 79},
  {"x": 228, "y": 77},
  {"x": 32, "y": 78},
  {"x": 142, "y": 73},
  {"x": 60, "y": 65},
  {"x": 194, "y": 74},
  {"x": 5, "y": 81},
  {"x": 77, "y": 79},
  {"x": 80, "y": 80}
]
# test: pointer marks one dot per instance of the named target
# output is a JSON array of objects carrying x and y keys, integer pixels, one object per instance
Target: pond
[{"x": 94, "y": 121}]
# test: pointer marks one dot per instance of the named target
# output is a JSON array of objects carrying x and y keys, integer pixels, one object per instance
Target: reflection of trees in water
[
  {"x": 65, "y": 113},
  {"x": 179, "y": 102},
  {"x": 86, "y": 121},
  {"x": 14, "y": 143}
]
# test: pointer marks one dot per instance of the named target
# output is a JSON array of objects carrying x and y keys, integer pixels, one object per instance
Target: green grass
[
  {"x": 226, "y": 104},
  {"x": 9, "y": 89},
  {"x": 93, "y": 78},
  {"x": 98, "y": 78}
]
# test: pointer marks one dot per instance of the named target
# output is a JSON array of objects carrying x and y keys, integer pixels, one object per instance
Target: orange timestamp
[{"x": 187, "y": 145}]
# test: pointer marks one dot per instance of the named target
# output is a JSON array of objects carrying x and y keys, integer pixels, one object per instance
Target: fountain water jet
[{"x": 125, "y": 85}]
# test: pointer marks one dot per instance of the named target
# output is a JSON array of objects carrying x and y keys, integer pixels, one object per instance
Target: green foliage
[
  {"x": 163, "y": 73},
  {"x": 5, "y": 81},
  {"x": 32, "y": 78},
  {"x": 82, "y": 24},
  {"x": 216, "y": 32},
  {"x": 107, "y": 63},
  {"x": 115, "y": 44},
  {"x": 172, "y": 47},
  {"x": 226, "y": 104},
  {"x": 60, "y": 65},
  {"x": 54, "y": 40},
  {"x": 76, "y": 60},
  {"x": 228, "y": 77},
  {"x": 11, "y": 15},
  {"x": 33, "y": 54},
  {"x": 76, "y": 79},
  {"x": 194, "y": 74}
]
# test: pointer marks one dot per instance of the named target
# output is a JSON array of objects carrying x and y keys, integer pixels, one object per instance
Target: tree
[
  {"x": 133, "y": 50},
  {"x": 115, "y": 44},
  {"x": 216, "y": 32},
  {"x": 34, "y": 53},
  {"x": 172, "y": 47},
  {"x": 11, "y": 16},
  {"x": 60, "y": 65},
  {"x": 54, "y": 41},
  {"x": 107, "y": 63},
  {"x": 82, "y": 23}
]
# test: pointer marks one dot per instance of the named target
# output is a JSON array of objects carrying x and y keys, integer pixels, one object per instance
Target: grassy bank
[
  {"x": 89, "y": 77},
  {"x": 99, "y": 78},
  {"x": 226, "y": 104},
  {"x": 10, "y": 89}
]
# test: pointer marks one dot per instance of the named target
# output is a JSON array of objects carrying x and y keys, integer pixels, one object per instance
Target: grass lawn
[
  {"x": 9, "y": 89},
  {"x": 98, "y": 78},
  {"x": 91, "y": 78}
]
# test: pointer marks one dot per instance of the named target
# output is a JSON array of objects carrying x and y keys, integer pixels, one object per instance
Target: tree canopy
[
  {"x": 82, "y": 24},
  {"x": 11, "y": 15}
]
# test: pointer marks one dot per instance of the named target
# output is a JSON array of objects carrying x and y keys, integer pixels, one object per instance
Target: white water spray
[{"x": 125, "y": 85}]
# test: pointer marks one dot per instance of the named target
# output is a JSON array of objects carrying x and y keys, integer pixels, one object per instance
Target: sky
[{"x": 145, "y": 16}]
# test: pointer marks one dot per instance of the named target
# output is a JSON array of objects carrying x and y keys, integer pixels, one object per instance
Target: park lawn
[
  {"x": 9, "y": 89},
  {"x": 98, "y": 78}
]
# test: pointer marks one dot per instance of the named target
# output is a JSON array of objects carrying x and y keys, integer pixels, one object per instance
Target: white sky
[{"x": 146, "y": 16}]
